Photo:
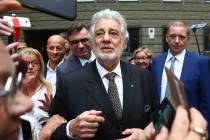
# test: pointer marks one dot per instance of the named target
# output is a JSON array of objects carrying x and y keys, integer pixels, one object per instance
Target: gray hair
[{"x": 107, "y": 13}]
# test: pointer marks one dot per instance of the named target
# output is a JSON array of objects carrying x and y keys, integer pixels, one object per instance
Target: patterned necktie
[
  {"x": 172, "y": 59},
  {"x": 113, "y": 94}
]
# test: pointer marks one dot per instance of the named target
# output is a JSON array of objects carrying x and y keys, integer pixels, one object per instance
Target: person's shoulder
[
  {"x": 197, "y": 57},
  {"x": 160, "y": 56},
  {"x": 134, "y": 69},
  {"x": 76, "y": 74},
  {"x": 64, "y": 67}
]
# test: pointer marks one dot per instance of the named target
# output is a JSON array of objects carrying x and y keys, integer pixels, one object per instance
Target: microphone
[{"x": 194, "y": 27}]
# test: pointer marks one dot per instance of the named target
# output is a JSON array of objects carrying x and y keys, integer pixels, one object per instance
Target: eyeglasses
[
  {"x": 34, "y": 63},
  {"x": 11, "y": 85},
  {"x": 141, "y": 58},
  {"x": 84, "y": 41}
]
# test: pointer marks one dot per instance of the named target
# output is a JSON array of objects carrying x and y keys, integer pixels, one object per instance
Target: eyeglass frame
[
  {"x": 84, "y": 41},
  {"x": 142, "y": 58}
]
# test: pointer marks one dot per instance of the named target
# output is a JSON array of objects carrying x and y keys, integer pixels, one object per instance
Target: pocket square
[{"x": 147, "y": 108}]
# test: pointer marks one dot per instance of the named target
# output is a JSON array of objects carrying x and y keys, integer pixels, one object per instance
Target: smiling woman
[{"x": 143, "y": 57}]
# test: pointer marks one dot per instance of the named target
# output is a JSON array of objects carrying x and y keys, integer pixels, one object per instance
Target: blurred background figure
[
  {"x": 67, "y": 45},
  {"x": 15, "y": 103},
  {"x": 55, "y": 52},
  {"x": 132, "y": 61},
  {"x": 143, "y": 57},
  {"x": 12, "y": 103},
  {"x": 20, "y": 46},
  {"x": 36, "y": 87}
]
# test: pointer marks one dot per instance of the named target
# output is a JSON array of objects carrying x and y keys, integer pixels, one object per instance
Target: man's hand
[
  {"x": 85, "y": 125},
  {"x": 50, "y": 126},
  {"x": 7, "y": 5},
  {"x": 15, "y": 57},
  {"x": 182, "y": 128},
  {"x": 5, "y": 29},
  {"x": 139, "y": 134}
]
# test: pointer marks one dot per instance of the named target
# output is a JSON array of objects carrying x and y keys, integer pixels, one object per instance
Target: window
[
  {"x": 85, "y": 0},
  {"x": 172, "y": 0},
  {"x": 165, "y": 45},
  {"x": 134, "y": 35},
  {"x": 207, "y": 1},
  {"x": 128, "y": 0}
]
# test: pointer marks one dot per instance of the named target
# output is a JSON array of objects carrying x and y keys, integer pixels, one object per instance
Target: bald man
[{"x": 55, "y": 51}]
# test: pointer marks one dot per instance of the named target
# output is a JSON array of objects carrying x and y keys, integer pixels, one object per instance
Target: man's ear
[{"x": 166, "y": 38}]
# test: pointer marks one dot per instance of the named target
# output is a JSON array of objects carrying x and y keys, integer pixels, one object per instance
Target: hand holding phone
[{"x": 165, "y": 113}]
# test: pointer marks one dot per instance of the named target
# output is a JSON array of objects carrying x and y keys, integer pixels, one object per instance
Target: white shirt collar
[
  {"x": 102, "y": 71},
  {"x": 49, "y": 68},
  {"x": 83, "y": 61},
  {"x": 179, "y": 57}
]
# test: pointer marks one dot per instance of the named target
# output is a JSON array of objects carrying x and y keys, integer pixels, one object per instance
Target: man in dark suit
[
  {"x": 85, "y": 97},
  {"x": 192, "y": 69},
  {"x": 77, "y": 36}
]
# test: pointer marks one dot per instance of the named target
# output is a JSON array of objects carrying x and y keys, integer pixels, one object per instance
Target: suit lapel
[
  {"x": 128, "y": 89},
  {"x": 160, "y": 67},
  {"x": 75, "y": 63},
  {"x": 186, "y": 66},
  {"x": 98, "y": 93}
]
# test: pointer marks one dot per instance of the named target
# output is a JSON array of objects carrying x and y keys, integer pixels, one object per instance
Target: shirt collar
[
  {"x": 179, "y": 57},
  {"x": 102, "y": 71},
  {"x": 49, "y": 68},
  {"x": 83, "y": 61}
]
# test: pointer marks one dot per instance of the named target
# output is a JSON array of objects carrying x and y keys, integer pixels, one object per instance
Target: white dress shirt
[
  {"x": 36, "y": 116},
  {"x": 118, "y": 79},
  {"x": 178, "y": 64},
  {"x": 51, "y": 76}
]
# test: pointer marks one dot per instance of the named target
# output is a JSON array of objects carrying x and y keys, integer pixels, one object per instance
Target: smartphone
[
  {"x": 61, "y": 8},
  {"x": 164, "y": 115}
]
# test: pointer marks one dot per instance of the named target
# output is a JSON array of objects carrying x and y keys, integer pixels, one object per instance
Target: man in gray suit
[{"x": 77, "y": 36}]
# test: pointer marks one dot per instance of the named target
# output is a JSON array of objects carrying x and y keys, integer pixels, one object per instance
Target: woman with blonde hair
[
  {"x": 143, "y": 57},
  {"x": 35, "y": 86}
]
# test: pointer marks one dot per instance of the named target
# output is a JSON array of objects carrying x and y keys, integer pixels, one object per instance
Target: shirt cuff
[{"x": 68, "y": 133}]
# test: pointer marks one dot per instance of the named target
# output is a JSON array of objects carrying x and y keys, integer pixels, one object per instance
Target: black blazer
[
  {"x": 83, "y": 90},
  {"x": 69, "y": 65}
]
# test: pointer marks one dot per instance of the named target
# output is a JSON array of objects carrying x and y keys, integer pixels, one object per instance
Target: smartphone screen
[
  {"x": 164, "y": 115},
  {"x": 61, "y": 8}
]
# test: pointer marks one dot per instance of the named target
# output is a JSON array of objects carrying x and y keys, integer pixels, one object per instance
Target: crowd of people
[{"x": 90, "y": 93}]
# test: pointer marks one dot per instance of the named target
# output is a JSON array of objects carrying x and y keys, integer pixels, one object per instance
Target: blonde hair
[
  {"x": 32, "y": 51},
  {"x": 147, "y": 51}
]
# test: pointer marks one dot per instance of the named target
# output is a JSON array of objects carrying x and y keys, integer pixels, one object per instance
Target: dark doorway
[{"x": 38, "y": 38}]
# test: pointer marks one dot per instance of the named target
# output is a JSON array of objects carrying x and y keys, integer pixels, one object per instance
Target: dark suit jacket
[
  {"x": 69, "y": 65},
  {"x": 83, "y": 90},
  {"x": 196, "y": 78}
]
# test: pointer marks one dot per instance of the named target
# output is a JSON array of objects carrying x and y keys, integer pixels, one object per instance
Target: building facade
[{"x": 147, "y": 20}]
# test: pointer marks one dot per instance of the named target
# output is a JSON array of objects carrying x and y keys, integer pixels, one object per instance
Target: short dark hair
[{"x": 76, "y": 27}]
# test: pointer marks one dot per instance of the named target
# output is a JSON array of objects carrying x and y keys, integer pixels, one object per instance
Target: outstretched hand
[{"x": 46, "y": 103}]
